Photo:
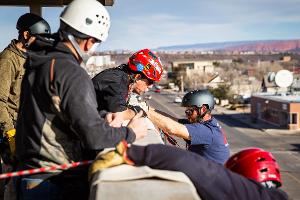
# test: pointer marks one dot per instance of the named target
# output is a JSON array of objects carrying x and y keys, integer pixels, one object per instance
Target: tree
[{"x": 221, "y": 92}]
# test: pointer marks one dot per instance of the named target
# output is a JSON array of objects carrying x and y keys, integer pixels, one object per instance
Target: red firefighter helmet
[
  {"x": 146, "y": 62},
  {"x": 256, "y": 164}
]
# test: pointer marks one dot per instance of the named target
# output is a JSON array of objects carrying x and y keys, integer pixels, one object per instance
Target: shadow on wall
[
  {"x": 243, "y": 120},
  {"x": 296, "y": 147}
]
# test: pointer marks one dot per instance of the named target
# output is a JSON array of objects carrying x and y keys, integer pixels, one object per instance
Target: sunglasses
[{"x": 189, "y": 111}]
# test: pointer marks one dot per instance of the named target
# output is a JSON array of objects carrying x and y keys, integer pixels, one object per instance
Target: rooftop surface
[{"x": 290, "y": 98}]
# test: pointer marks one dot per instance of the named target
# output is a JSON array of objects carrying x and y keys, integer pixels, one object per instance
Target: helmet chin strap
[
  {"x": 269, "y": 184},
  {"x": 200, "y": 116},
  {"x": 83, "y": 55}
]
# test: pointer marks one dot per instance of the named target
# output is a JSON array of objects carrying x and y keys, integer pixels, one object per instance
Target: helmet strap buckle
[{"x": 201, "y": 115}]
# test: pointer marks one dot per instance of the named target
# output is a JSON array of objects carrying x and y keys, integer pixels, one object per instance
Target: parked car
[
  {"x": 177, "y": 100},
  {"x": 139, "y": 98},
  {"x": 157, "y": 86},
  {"x": 148, "y": 97},
  {"x": 157, "y": 90}
]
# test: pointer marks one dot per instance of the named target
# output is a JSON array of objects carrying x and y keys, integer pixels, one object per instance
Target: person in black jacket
[
  {"x": 115, "y": 85},
  {"x": 249, "y": 174},
  {"x": 58, "y": 121}
]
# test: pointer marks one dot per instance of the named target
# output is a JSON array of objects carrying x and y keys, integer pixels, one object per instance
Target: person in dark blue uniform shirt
[{"x": 201, "y": 130}]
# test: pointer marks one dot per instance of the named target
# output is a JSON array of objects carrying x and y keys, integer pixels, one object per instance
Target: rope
[
  {"x": 45, "y": 169},
  {"x": 170, "y": 139}
]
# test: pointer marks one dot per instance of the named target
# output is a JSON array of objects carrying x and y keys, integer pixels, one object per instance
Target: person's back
[
  {"x": 51, "y": 124},
  {"x": 12, "y": 60},
  {"x": 208, "y": 140},
  {"x": 59, "y": 121},
  {"x": 111, "y": 87}
]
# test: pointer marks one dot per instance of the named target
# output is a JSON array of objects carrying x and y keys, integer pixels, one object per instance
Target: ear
[
  {"x": 137, "y": 76},
  {"x": 26, "y": 35},
  {"x": 88, "y": 44},
  {"x": 203, "y": 109}
]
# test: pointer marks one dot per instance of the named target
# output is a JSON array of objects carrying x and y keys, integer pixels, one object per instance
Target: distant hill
[{"x": 257, "y": 46}]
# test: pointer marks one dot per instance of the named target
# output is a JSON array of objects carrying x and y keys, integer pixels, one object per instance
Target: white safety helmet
[{"x": 89, "y": 17}]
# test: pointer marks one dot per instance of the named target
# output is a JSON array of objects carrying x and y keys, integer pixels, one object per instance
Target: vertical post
[
  {"x": 36, "y": 9},
  {"x": 181, "y": 79}
]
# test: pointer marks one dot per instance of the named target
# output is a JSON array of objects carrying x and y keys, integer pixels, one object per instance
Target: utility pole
[{"x": 181, "y": 80}]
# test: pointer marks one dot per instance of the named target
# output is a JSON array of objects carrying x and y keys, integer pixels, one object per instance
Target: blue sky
[{"x": 137, "y": 24}]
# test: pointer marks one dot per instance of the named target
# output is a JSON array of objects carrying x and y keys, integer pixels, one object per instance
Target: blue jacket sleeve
[{"x": 212, "y": 180}]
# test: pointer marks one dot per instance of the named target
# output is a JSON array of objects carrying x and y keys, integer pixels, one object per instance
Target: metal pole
[
  {"x": 36, "y": 9},
  {"x": 182, "y": 88}
]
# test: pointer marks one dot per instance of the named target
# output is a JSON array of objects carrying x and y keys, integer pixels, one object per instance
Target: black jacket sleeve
[
  {"x": 212, "y": 180},
  {"x": 80, "y": 107}
]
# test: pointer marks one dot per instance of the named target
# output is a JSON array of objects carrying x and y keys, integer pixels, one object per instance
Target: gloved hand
[
  {"x": 10, "y": 135},
  {"x": 141, "y": 106},
  {"x": 144, "y": 106},
  {"x": 110, "y": 159}
]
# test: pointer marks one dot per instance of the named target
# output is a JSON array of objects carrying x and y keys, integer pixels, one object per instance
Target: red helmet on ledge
[
  {"x": 256, "y": 164},
  {"x": 146, "y": 62}
]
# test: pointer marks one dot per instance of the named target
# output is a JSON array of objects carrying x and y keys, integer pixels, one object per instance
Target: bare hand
[
  {"x": 138, "y": 125},
  {"x": 114, "y": 119}
]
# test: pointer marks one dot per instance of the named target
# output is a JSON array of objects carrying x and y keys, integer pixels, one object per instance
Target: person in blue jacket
[
  {"x": 252, "y": 173},
  {"x": 201, "y": 130}
]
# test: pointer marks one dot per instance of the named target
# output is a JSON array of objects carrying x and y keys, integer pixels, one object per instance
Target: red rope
[{"x": 45, "y": 169}]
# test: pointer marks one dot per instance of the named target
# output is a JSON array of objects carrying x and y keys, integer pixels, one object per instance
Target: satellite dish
[
  {"x": 271, "y": 76},
  {"x": 283, "y": 78}
]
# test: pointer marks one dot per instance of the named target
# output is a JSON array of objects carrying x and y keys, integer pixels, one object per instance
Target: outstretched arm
[
  {"x": 212, "y": 180},
  {"x": 169, "y": 125}
]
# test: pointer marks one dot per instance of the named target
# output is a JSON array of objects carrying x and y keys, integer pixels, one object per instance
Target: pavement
[{"x": 244, "y": 117}]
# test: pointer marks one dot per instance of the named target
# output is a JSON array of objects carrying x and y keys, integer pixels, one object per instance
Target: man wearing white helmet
[{"x": 58, "y": 121}]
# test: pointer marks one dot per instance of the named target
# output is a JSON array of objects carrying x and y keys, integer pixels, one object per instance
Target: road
[{"x": 285, "y": 148}]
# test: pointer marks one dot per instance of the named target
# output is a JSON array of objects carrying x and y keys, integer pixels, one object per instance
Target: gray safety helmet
[
  {"x": 198, "y": 98},
  {"x": 34, "y": 24}
]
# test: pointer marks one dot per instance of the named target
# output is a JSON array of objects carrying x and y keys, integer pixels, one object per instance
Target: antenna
[{"x": 283, "y": 78}]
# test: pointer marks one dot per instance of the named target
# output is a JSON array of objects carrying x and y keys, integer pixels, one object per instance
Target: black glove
[{"x": 137, "y": 109}]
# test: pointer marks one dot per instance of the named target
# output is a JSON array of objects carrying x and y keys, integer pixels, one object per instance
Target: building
[
  {"x": 244, "y": 85},
  {"x": 280, "y": 110},
  {"x": 213, "y": 81},
  {"x": 103, "y": 60},
  {"x": 191, "y": 67},
  {"x": 96, "y": 64},
  {"x": 286, "y": 58}
]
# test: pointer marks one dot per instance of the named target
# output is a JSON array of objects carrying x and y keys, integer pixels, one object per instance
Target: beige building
[{"x": 191, "y": 67}]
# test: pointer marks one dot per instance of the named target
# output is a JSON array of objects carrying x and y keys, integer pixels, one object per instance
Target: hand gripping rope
[
  {"x": 45, "y": 169},
  {"x": 169, "y": 138}
]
